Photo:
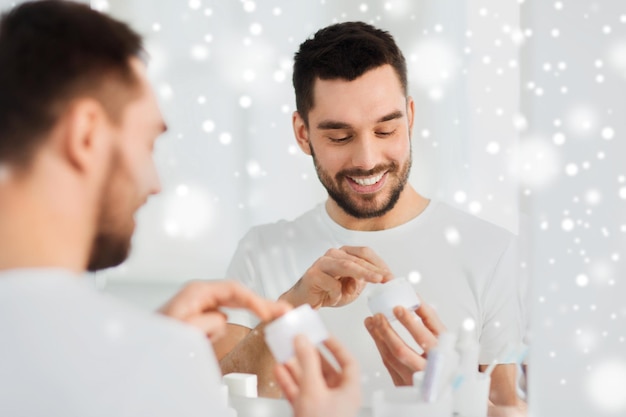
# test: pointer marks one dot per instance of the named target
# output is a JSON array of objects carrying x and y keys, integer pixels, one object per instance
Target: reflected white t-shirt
[
  {"x": 463, "y": 266},
  {"x": 68, "y": 351}
]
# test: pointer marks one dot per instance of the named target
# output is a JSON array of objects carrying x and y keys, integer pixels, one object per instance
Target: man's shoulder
[
  {"x": 462, "y": 219},
  {"x": 63, "y": 297},
  {"x": 149, "y": 324},
  {"x": 287, "y": 229},
  {"x": 85, "y": 320},
  {"x": 472, "y": 231}
]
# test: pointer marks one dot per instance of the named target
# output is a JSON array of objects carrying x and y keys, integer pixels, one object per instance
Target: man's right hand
[
  {"x": 199, "y": 303},
  {"x": 314, "y": 388},
  {"x": 338, "y": 277}
]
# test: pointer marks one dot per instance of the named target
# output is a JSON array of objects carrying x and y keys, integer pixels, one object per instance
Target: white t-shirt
[
  {"x": 463, "y": 266},
  {"x": 68, "y": 351}
]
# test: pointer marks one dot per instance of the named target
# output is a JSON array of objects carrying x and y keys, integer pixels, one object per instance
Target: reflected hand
[
  {"x": 338, "y": 277},
  {"x": 198, "y": 304},
  {"x": 400, "y": 359},
  {"x": 314, "y": 388}
]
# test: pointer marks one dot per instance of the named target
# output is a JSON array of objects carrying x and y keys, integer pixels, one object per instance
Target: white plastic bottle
[
  {"x": 468, "y": 349},
  {"x": 230, "y": 411},
  {"x": 442, "y": 361},
  {"x": 471, "y": 393}
]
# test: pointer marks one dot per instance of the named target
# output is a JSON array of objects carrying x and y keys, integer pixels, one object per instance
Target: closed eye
[
  {"x": 389, "y": 133},
  {"x": 340, "y": 140}
]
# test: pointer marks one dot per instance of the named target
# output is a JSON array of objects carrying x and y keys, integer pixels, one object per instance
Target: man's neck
[
  {"x": 37, "y": 230},
  {"x": 410, "y": 205}
]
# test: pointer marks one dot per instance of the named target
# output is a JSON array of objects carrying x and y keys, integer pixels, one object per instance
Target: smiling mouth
[{"x": 369, "y": 180}]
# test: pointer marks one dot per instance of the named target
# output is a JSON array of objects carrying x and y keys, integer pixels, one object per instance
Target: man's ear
[
  {"x": 410, "y": 112},
  {"x": 301, "y": 133},
  {"x": 84, "y": 133}
]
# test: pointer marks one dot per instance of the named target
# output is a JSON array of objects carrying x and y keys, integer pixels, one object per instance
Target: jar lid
[{"x": 280, "y": 334}]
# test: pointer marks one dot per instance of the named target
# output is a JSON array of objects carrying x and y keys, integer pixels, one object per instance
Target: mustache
[{"x": 369, "y": 172}]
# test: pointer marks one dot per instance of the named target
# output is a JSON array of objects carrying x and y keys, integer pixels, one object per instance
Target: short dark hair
[
  {"x": 51, "y": 52},
  {"x": 343, "y": 51}
]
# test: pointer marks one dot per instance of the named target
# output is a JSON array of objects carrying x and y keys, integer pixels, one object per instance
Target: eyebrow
[{"x": 333, "y": 124}]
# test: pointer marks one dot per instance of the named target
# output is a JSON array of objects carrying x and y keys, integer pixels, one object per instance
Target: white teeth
[{"x": 368, "y": 181}]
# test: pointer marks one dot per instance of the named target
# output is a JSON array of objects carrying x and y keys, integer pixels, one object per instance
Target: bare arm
[
  {"x": 232, "y": 336},
  {"x": 503, "y": 390},
  {"x": 244, "y": 350}
]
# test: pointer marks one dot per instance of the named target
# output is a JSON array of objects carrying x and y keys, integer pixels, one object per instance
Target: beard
[
  {"x": 365, "y": 206},
  {"x": 114, "y": 230},
  {"x": 108, "y": 250}
]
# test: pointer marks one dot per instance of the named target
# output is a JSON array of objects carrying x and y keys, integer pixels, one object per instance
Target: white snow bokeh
[
  {"x": 414, "y": 277},
  {"x": 582, "y": 120},
  {"x": 188, "y": 212},
  {"x": 435, "y": 64},
  {"x": 617, "y": 57},
  {"x": 453, "y": 237},
  {"x": 536, "y": 163},
  {"x": 397, "y": 9},
  {"x": 605, "y": 385}
]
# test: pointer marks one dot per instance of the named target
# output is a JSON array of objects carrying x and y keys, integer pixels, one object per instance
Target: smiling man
[
  {"x": 78, "y": 123},
  {"x": 354, "y": 118}
]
